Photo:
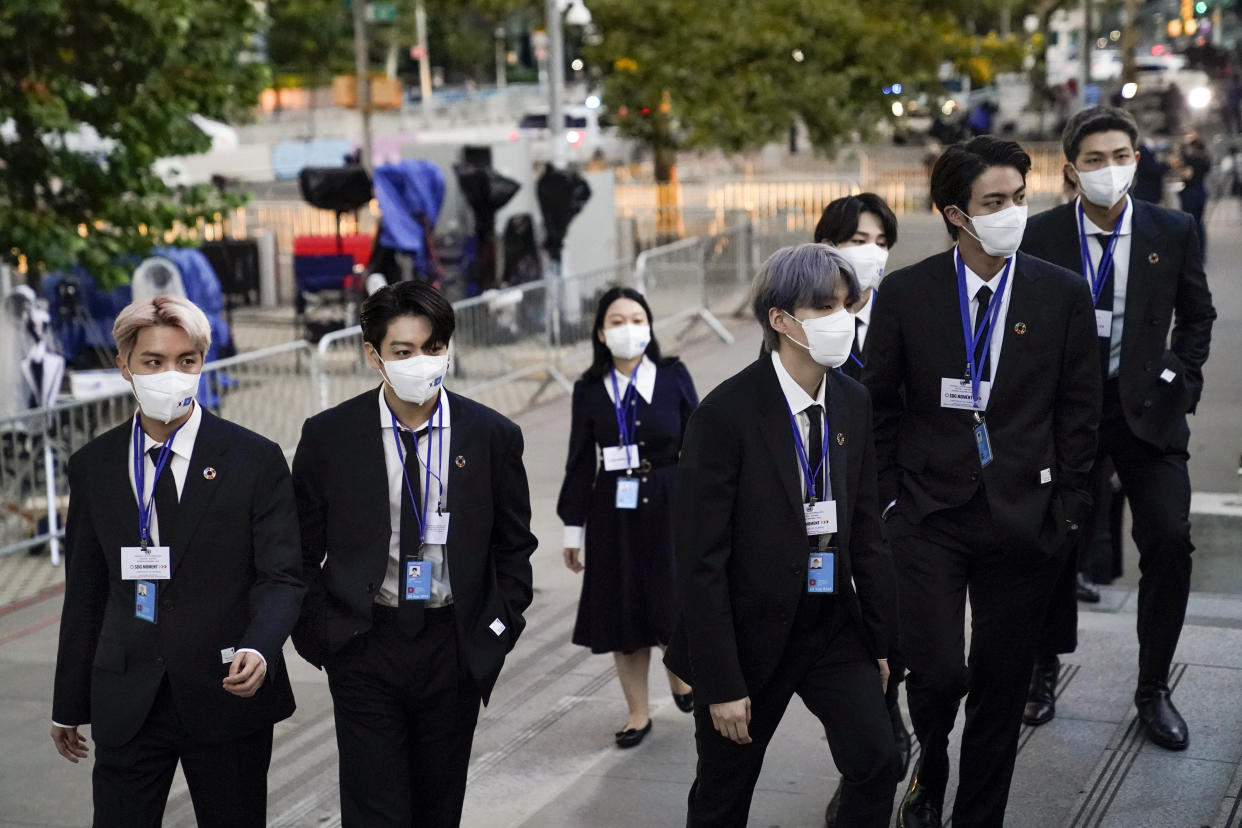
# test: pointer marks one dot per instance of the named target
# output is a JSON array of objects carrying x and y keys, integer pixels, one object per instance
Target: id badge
[
  {"x": 627, "y": 493},
  {"x": 958, "y": 393},
  {"x": 983, "y": 443},
  {"x": 1104, "y": 323},
  {"x": 436, "y": 530},
  {"x": 417, "y": 579},
  {"x": 153, "y": 563},
  {"x": 144, "y": 601},
  {"x": 821, "y": 572},
  {"x": 821, "y": 517},
  {"x": 620, "y": 458}
]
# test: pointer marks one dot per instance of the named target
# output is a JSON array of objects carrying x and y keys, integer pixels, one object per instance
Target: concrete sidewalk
[{"x": 544, "y": 753}]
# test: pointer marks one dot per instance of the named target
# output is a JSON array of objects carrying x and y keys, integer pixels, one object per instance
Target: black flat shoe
[
  {"x": 1041, "y": 696},
  {"x": 1165, "y": 726},
  {"x": 684, "y": 701},
  {"x": 632, "y": 737}
]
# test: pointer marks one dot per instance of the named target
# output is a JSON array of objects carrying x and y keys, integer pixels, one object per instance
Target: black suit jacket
[
  {"x": 741, "y": 537},
  {"x": 1043, "y": 412},
  {"x": 1166, "y": 285},
  {"x": 341, "y": 484},
  {"x": 236, "y": 582}
]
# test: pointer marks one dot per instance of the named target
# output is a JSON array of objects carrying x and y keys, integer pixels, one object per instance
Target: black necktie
[
  {"x": 409, "y": 613},
  {"x": 815, "y": 448},
  {"x": 982, "y": 356},
  {"x": 166, "y": 500},
  {"x": 858, "y": 344},
  {"x": 1105, "y": 303}
]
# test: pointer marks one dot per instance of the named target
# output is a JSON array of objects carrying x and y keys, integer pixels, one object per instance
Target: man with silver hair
[
  {"x": 183, "y": 581},
  {"x": 778, "y": 474}
]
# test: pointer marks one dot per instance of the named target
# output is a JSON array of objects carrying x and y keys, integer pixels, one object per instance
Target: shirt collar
[
  {"x": 644, "y": 382},
  {"x": 440, "y": 420},
  {"x": 183, "y": 442},
  {"x": 797, "y": 399},
  {"x": 974, "y": 281},
  {"x": 1127, "y": 220},
  {"x": 864, "y": 315}
]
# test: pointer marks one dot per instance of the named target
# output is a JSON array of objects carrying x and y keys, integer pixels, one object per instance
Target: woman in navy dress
[{"x": 623, "y": 498}]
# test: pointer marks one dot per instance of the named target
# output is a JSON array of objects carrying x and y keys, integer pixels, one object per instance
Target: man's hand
[
  {"x": 884, "y": 674},
  {"x": 246, "y": 674},
  {"x": 69, "y": 743},
  {"x": 571, "y": 559},
  {"x": 731, "y": 720}
]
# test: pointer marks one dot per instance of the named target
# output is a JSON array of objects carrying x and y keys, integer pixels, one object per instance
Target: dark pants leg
[
  {"x": 839, "y": 683},
  {"x": 228, "y": 780},
  {"x": 939, "y": 561},
  {"x": 1157, "y": 484},
  {"x": 130, "y": 782},
  {"x": 405, "y": 714}
]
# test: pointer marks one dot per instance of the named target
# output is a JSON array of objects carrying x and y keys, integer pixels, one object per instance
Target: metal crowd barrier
[{"x": 510, "y": 347}]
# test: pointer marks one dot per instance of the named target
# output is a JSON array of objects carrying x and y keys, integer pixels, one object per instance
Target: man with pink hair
[{"x": 183, "y": 581}]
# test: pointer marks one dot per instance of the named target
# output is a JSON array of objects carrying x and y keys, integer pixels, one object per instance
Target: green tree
[
  {"x": 133, "y": 71},
  {"x": 309, "y": 39}
]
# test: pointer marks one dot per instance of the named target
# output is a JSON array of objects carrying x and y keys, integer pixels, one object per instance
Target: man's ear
[
  {"x": 955, "y": 215},
  {"x": 778, "y": 321},
  {"x": 120, "y": 363},
  {"x": 373, "y": 358},
  {"x": 1071, "y": 173}
]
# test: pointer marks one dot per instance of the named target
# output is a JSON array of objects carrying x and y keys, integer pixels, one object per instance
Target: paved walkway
[{"x": 543, "y": 753}]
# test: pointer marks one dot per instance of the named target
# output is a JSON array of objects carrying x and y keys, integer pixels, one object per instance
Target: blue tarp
[{"x": 408, "y": 191}]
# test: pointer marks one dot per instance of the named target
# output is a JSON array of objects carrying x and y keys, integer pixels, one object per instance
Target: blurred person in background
[
  {"x": 629, "y": 413},
  {"x": 1195, "y": 164}
]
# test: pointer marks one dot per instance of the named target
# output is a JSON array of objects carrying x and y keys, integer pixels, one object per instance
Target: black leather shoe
[
  {"x": 903, "y": 739},
  {"x": 834, "y": 806},
  {"x": 1165, "y": 726},
  {"x": 920, "y": 807},
  {"x": 1041, "y": 696},
  {"x": 684, "y": 702},
  {"x": 632, "y": 737},
  {"x": 1086, "y": 591}
]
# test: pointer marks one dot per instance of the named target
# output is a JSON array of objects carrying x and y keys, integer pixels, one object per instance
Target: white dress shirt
[
  {"x": 1120, "y": 273},
  {"x": 441, "y": 462},
  {"x": 798, "y": 402},
  {"x": 644, "y": 383},
  {"x": 863, "y": 321},
  {"x": 973, "y": 282},
  {"x": 178, "y": 464}
]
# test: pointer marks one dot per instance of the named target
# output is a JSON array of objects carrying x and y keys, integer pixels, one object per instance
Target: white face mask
[
  {"x": 830, "y": 337},
  {"x": 418, "y": 378},
  {"x": 1106, "y": 186},
  {"x": 1000, "y": 233},
  {"x": 868, "y": 261},
  {"x": 627, "y": 341},
  {"x": 167, "y": 395}
]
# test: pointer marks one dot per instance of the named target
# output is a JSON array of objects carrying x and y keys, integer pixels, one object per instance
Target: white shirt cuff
[
  {"x": 573, "y": 537},
  {"x": 256, "y": 652},
  {"x": 67, "y": 727},
  {"x": 887, "y": 509}
]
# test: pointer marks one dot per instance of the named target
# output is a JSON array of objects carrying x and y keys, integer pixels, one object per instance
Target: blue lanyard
[
  {"x": 803, "y": 461},
  {"x": 853, "y": 356},
  {"x": 140, "y": 468},
  {"x": 984, "y": 334},
  {"x": 396, "y": 437},
  {"x": 621, "y": 405},
  {"x": 1098, "y": 277}
]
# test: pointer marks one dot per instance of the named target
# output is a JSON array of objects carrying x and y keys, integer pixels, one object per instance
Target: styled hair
[
  {"x": 1096, "y": 119},
  {"x": 174, "y": 311},
  {"x": 960, "y": 165},
  {"x": 601, "y": 357},
  {"x": 407, "y": 299},
  {"x": 802, "y": 276},
  {"x": 839, "y": 221}
]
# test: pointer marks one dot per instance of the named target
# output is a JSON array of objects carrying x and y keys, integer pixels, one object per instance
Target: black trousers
[
  {"x": 940, "y": 561},
  {"x": 227, "y": 780},
  {"x": 1157, "y": 484},
  {"x": 405, "y": 710},
  {"x": 826, "y": 664}
]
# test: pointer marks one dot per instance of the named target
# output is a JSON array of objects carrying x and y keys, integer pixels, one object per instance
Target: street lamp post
[{"x": 577, "y": 15}]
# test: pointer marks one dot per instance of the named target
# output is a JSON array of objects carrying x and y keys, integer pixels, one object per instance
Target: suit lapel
[
  {"x": 837, "y": 427},
  {"x": 1063, "y": 226},
  {"x": 210, "y": 452},
  {"x": 114, "y": 494},
  {"x": 367, "y": 440},
  {"x": 1146, "y": 241},
  {"x": 1012, "y": 355},
  {"x": 458, "y": 446},
  {"x": 778, "y": 433}
]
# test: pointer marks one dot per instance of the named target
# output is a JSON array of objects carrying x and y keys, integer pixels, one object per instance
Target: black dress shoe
[
  {"x": 1165, "y": 726},
  {"x": 834, "y": 806},
  {"x": 632, "y": 737},
  {"x": 1041, "y": 696},
  {"x": 1085, "y": 590},
  {"x": 684, "y": 702},
  {"x": 920, "y": 807},
  {"x": 903, "y": 739}
]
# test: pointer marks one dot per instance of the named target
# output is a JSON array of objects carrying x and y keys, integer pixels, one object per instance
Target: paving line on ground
[
  {"x": 1230, "y": 807},
  {"x": 32, "y": 628},
  {"x": 22, "y": 603},
  {"x": 1111, "y": 772}
]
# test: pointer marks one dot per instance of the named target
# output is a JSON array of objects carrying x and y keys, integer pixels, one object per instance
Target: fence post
[{"x": 49, "y": 473}]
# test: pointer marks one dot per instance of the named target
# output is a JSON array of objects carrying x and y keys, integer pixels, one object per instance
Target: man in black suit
[
  {"x": 980, "y": 365},
  {"x": 182, "y": 584},
  {"x": 416, "y": 551},
  {"x": 1145, "y": 269},
  {"x": 786, "y": 584}
]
